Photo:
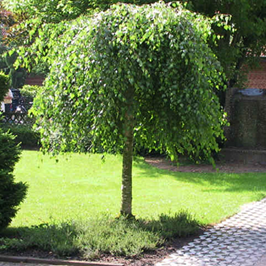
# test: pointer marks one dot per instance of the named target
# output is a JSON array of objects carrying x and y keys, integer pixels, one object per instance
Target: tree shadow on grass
[
  {"x": 216, "y": 181},
  {"x": 97, "y": 236}
]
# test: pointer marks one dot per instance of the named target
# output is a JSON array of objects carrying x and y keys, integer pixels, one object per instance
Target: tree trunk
[{"x": 126, "y": 205}]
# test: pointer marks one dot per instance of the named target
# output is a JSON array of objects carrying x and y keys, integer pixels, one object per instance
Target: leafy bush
[
  {"x": 11, "y": 193},
  {"x": 25, "y": 135},
  {"x": 4, "y": 85},
  {"x": 29, "y": 91}
]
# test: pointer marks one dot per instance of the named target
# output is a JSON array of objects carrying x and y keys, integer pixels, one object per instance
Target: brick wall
[
  {"x": 257, "y": 77},
  {"x": 36, "y": 80}
]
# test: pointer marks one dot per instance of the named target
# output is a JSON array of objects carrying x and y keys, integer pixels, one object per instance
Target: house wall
[
  {"x": 257, "y": 77},
  {"x": 36, "y": 80}
]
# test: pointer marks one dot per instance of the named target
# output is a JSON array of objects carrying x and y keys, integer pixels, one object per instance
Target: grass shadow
[{"x": 216, "y": 181}]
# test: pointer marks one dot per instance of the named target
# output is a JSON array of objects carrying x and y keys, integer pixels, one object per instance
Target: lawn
[
  {"x": 73, "y": 201},
  {"x": 78, "y": 186}
]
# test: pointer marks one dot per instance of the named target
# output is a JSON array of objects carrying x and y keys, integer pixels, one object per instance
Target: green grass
[
  {"x": 72, "y": 203},
  {"x": 80, "y": 186}
]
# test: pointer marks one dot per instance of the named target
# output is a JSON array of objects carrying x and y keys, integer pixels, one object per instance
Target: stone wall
[{"x": 248, "y": 122}]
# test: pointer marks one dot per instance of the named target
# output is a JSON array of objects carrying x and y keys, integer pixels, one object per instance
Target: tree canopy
[
  {"x": 8, "y": 20},
  {"x": 94, "y": 63},
  {"x": 131, "y": 73},
  {"x": 239, "y": 24}
]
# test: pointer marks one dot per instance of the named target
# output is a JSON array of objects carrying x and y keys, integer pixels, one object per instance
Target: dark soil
[{"x": 223, "y": 167}]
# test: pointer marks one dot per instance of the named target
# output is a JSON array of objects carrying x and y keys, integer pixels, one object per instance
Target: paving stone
[{"x": 239, "y": 240}]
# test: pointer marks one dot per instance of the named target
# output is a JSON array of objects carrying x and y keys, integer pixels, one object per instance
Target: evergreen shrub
[
  {"x": 25, "y": 135},
  {"x": 11, "y": 193},
  {"x": 4, "y": 85}
]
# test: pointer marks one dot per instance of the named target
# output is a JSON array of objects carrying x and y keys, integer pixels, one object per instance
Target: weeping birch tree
[{"x": 131, "y": 74}]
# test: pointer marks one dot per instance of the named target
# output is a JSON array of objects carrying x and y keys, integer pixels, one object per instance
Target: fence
[{"x": 17, "y": 118}]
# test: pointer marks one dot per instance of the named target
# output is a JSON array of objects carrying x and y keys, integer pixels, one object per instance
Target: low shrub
[
  {"x": 170, "y": 226},
  {"x": 25, "y": 135},
  {"x": 29, "y": 91},
  {"x": 102, "y": 235},
  {"x": 58, "y": 239},
  {"x": 11, "y": 193},
  {"x": 118, "y": 237}
]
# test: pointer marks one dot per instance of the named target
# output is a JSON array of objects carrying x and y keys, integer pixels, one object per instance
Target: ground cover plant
[{"x": 71, "y": 209}]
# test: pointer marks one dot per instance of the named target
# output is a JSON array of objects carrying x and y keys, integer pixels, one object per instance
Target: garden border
[{"x": 16, "y": 259}]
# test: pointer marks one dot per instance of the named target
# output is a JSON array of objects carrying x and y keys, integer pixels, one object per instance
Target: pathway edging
[{"x": 53, "y": 261}]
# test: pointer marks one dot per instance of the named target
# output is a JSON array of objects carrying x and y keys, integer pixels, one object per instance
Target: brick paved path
[{"x": 238, "y": 241}]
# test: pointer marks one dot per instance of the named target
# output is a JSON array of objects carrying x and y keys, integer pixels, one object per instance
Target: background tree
[
  {"x": 241, "y": 39},
  {"x": 8, "y": 20},
  {"x": 132, "y": 73},
  {"x": 240, "y": 28}
]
